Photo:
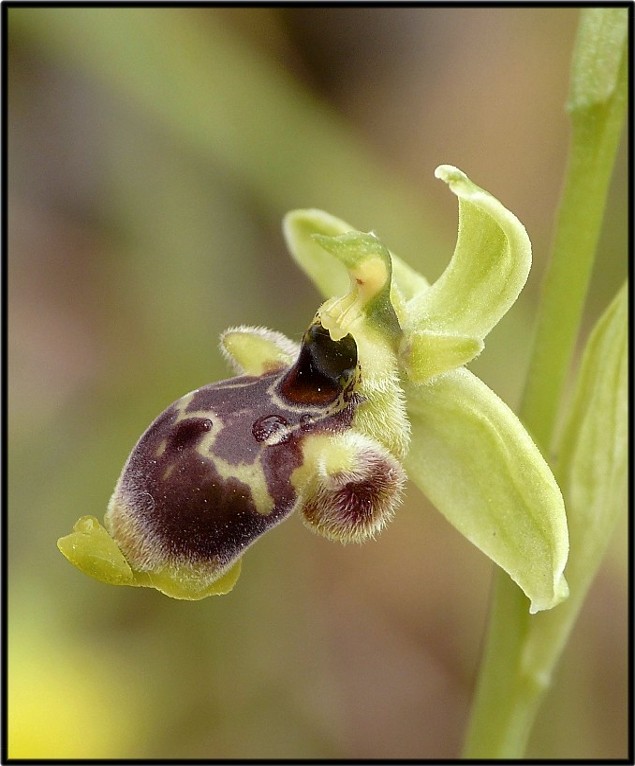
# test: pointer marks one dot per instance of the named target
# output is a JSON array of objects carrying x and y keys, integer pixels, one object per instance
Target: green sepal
[
  {"x": 327, "y": 273},
  {"x": 488, "y": 270},
  {"x": 474, "y": 460}
]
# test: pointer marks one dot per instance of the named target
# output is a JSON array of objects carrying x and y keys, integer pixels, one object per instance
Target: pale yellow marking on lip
[
  {"x": 253, "y": 476},
  {"x": 161, "y": 448},
  {"x": 168, "y": 472},
  {"x": 205, "y": 446},
  {"x": 182, "y": 404}
]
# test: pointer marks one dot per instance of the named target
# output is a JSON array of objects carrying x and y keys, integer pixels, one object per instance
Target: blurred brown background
[{"x": 152, "y": 154}]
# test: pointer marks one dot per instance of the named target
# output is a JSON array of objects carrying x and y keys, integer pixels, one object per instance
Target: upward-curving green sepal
[{"x": 488, "y": 270}]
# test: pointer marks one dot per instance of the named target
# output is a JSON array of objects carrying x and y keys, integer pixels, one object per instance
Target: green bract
[
  {"x": 593, "y": 455},
  {"x": 592, "y": 468}
]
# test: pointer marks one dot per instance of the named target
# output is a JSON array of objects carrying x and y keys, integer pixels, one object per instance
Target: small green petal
[
  {"x": 426, "y": 354},
  {"x": 474, "y": 460},
  {"x": 488, "y": 270},
  {"x": 92, "y": 550},
  {"x": 594, "y": 449},
  {"x": 256, "y": 350}
]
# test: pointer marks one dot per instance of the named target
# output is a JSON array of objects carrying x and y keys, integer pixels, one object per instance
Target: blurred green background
[{"x": 152, "y": 154}]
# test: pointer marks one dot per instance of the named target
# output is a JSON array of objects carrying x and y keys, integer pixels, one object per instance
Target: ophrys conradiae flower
[{"x": 324, "y": 428}]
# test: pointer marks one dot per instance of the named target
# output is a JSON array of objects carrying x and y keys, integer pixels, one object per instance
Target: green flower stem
[
  {"x": 597, "y": 120},
  {"x": 506, "y": 700},
  {"x": 511, "y": 684}
]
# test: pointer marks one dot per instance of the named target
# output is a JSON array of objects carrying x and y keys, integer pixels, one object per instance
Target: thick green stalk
[
  {"x": 597, "y": 104},
  {"x": 510, "y": 689}
]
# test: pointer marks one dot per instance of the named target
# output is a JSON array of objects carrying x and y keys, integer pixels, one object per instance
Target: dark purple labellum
[{"x": 213, "y": 472}]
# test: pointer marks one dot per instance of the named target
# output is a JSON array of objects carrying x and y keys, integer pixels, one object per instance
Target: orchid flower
[{"x": 376, "y": 392}]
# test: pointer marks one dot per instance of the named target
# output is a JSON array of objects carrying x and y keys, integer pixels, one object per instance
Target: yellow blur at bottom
[{"x": 65, "y": 701}]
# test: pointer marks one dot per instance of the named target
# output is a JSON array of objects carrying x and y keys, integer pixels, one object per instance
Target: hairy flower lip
[
  {"x": 216, "y": 477},
  {"x": 221, "y": 466}
]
